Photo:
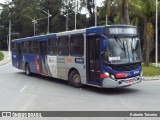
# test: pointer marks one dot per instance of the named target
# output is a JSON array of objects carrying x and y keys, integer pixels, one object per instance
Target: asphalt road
[{"x": 19, "y": 92}]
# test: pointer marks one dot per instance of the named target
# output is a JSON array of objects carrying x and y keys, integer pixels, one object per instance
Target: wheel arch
[
  {"x": 25, "y": 65},
  {"x": 70, "y": 70}
]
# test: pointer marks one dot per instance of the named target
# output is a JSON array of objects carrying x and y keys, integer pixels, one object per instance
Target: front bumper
[{"x": 110, "y": 83}]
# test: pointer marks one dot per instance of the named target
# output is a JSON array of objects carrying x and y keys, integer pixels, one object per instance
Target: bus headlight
[{"x": 107, "y": 74}]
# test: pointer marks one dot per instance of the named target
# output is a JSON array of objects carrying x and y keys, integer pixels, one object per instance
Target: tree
[
  {"x": 146, "y": 11},
  {"x": 139, "y": 10},
  {"x": 121, "y": 10},
  {"x": 90, "y": 6}
]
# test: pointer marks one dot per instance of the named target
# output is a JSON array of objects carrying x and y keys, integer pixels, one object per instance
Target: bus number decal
[
  {"x": 79, "y": 60},
  {"x": 114, "y": 58}
]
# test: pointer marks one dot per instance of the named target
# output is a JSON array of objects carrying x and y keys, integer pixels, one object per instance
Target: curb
[
  {"x": 150, "y": 79},
  {"x": 5, "y": 59},
  {"x": 5, "y": 62}
]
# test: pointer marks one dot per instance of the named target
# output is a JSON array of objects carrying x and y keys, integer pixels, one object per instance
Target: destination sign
[{"x": 122, "y": 31}]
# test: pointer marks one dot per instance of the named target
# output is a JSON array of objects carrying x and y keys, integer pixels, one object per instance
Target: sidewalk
[
  {"x": 5, "y": 60},
  {"x": 158, "y": 65},
  {"x": 147, "y": 78}
]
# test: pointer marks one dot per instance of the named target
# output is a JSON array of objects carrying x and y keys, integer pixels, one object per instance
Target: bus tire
[
  {"x": 75, "y": 79},
  {"x": 27, "y": 70}
]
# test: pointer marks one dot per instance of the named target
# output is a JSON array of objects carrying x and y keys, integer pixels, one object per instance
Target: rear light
[{"x": 121, "y": 75}]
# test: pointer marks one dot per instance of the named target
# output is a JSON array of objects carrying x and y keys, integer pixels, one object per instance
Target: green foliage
[
  {"x": 141, "y": 14},
  {"x": 137, "y": 12},
  {"x": 1, "y": 56},
  {"x": 151, "y": 70},
  {"x": 23, "y": 12}
]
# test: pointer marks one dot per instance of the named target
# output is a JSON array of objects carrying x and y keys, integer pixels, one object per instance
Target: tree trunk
[
  {"x": 144, "y": 41},
  {"x": 147, "y": 50},
  {"x": 147, "y": 45},
  {"x": 126, "y": 15}
]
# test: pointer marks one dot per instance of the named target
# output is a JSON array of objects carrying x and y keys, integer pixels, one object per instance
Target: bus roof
[{"x": 40, "y": 37}]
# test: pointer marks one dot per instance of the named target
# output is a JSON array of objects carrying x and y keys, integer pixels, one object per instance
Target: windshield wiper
[{"x": 120, "y": 44}]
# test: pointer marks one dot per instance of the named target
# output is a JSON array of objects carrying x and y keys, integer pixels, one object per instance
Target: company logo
[
  {"x": 50, "y": 60},
  {"x": 136, "y": 72},
  {"x": 6, "y": 114},
  {"x": 21, "y": 114}
]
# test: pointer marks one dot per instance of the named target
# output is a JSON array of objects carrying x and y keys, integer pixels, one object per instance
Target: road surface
[{"x": 19, "y": 92}]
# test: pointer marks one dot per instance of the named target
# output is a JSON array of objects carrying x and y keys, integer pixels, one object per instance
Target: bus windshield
[{"x": 122, "y": 50}]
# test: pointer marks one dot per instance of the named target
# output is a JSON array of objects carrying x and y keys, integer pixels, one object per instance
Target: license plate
[{"x": 130, "y": 81}]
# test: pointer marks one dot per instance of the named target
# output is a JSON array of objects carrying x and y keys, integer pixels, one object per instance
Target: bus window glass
[
  {"x": 33, "y": 47},
  {"x": 63, "y": 48},
  {"x": 52, "y": 46},
  {"x": 123, "y": 50},
  {"x": 14, "y": 48},
  {"x": 25, "y": 46},
  {"x": 77, "y": 45}
]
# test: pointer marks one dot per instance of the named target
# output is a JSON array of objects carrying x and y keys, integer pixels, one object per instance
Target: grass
[
  {"x": 1, "y": 56},
  {"x": 151, "y": 70}
]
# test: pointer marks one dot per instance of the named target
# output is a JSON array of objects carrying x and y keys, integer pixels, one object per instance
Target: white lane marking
[{"x": 23, "y": 89}]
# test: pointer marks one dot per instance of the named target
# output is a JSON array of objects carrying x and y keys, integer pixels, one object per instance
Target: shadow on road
[
  {"x": 112, "y": 91},
  {"x": 109, "y": 91}
]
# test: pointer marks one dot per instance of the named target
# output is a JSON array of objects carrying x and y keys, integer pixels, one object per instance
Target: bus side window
[
  {"x": 33, "y": 47},
  {"x": 14, "y": 48},
  {"x": 25, "y": 46},
  {"x": 52, "y": 46},
  {"x": 63, "y": 47},
  {"x": 77, "y": 45}
]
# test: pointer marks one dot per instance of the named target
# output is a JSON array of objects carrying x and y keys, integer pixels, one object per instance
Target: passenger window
[
  {"x": 63, "y": 47},
  {"x": 77, "y": 45},
  {"x": 25, "y": 47},
  {"x": 14, "y": 48},
  {"x": 52, "y": 46},
  {"x": 33, "y": 47}
]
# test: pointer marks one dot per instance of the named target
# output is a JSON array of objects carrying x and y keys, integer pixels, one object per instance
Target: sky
[
  {"x": 98, "y": 1},
  {"x": 3, "y": 1}
]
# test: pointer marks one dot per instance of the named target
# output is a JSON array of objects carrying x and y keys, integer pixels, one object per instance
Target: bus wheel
[
  {"x": 75, "y": 79},
  {"x": 27, "y": 70}
]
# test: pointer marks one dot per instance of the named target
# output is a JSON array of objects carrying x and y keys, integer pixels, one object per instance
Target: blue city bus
[{"x": 102, "y": 56}]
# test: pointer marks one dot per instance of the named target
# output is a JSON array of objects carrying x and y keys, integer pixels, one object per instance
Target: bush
[
  {"x": 151, "y": 70},
  {"x": 1, "y": 56}
]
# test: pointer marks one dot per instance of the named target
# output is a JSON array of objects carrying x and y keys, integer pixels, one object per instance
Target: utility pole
[
  {"x": 48, "y": 16},
  {"x": 67, "y": 15},
  {"x": 67, "y": 21},
  {"x": 156, "y": 33},
  {"x": 34, "y": 22},
  {"x": 106, "y": 20},
  {"x": 95, "y": 4},
  {"x": 9, "y": 40},
  {"x": 75, "y": 14}
]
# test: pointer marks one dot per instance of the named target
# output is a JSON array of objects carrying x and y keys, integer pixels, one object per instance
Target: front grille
[{"x": 124, "y": 67}]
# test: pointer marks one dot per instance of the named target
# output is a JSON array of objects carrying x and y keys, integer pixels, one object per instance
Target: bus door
[
  {"x": 19, "y": 46},
  {"x": 93, "y": 59},
  {"x": 42, "y": 57}
]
